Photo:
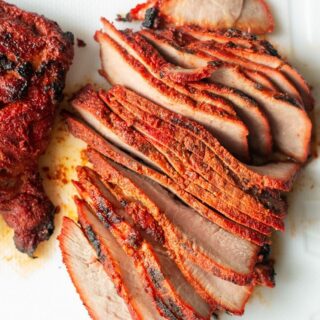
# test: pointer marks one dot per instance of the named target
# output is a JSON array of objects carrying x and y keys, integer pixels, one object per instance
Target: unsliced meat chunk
[{"x": 35, "y": 57}]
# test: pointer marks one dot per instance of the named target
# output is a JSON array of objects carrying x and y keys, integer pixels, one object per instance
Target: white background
[{"x": 40, "y": 289}]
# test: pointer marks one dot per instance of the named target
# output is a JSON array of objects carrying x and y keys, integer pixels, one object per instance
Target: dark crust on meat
[{"x": 35, "y": 56}]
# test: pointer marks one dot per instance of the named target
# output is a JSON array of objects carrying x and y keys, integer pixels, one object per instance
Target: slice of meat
[
  {"x": 255, "y": 17},
  {"x": 119, "y": 177},
  {"x": 175, "y": 144},
  {"x": 274, "y": 75},
  {"x": 234, "y": 37},
  {"x": 92, "y": 283},
  {"x": 247, "y": 46},
  {"x": 293, "y": 139},
  {"x": 174, "y": 72},
  {"x": 260, "y": 137},
  {"x": 35, "y": 57},
  {"x": 89, "y": 105},
  {"x": 247, "y": 109},
  {"x": 248, "y": 15},
  {"x": 225, "y": 127},
  {"x": 131, "y": 286},
  {"x": 261, "y": 79},
  {"x": 238, "y": 296},
  {"x": 163, "y": 276}
]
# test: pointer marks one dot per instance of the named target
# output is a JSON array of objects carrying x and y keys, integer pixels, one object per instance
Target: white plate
[{"x": 41, "y": 289}]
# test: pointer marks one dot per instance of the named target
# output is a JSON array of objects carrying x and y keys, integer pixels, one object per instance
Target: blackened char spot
[
  {"x": 5, "y": 63},
  {"x": 150, "y": 18},
  {"x": 185, "y": 125},
  {"x": 69, "y": 36},
  {"x": 25, "y": 69},
  {"x": 175, "y": 309},
  {"x": 156, "y": 277},
  {"x": 94, "y": 241},
  {"x": 107, "y": 213},
  {"x": 285, "y": 97},
  {"x": 265, "y": 252},
  {"x": 165, "y": 310},
  {"x": 270, "y": 48},
  {"x": 134, "y": 240}
]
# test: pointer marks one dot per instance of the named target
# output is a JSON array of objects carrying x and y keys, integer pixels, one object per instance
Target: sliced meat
[
  {"x": 92, "y": 283},
  {"x": 247, "y": 109},
  {"x": 163, "y": 276},
  {"x": 177, "y": 151},
  {"x": 210, "y": 286},
  {"x": 225, "y": 127},
  {"x": 260, "y": 137},
  {"x": 173, "y": 127},
  {"x": 233, "y": 36},
  {"x": 291, "y": 126},
  {"x": 248, "y": 15},
  {"x": 174, "y": 72},
  {"x": 248, "y": 46},
  {"x": 116, "y": 130},
  {"x": 119, "y": 177},
  {"x": 277, "y": 77},
  {"x": 138, "y": 293},
  {"x": 261, "y": 79},
  {"x": 274, "y": 174},
  {"x": 150, "y": 58},
  {"x": 83, "y": 132}
]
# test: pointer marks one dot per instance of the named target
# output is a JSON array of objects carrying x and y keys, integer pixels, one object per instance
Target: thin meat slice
[
  {"x": 291, "y": 126},
  {"x": 178, "y": 156},
  {"x": 276, "y": 76},
  {"x": 235, "y": 37},
  {"x": 157, "y": 65},
  {"x": 131, "y": 286},
  {"x": 110, "y": 213},
  {"x": 248, "y": 15},
  {"x": 248, "y": 110},
  {"x": 261, "y": 79},
  {"x": 174, "y": 72},
  {"x": 93, "y": 284},
  {"x": 89, "y": 105},
  {"x": 128, "y": 183},
  {"x": 260, "y": 137},
  {"x": 225, "y": 127},
  {"x": 247, "y": 46}
]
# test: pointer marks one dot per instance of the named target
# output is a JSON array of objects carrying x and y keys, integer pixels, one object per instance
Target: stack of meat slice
[{"x": 166, "y": 199}]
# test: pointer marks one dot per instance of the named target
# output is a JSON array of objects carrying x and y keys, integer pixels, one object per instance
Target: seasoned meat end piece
[{"x": 34, "y": 60}]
